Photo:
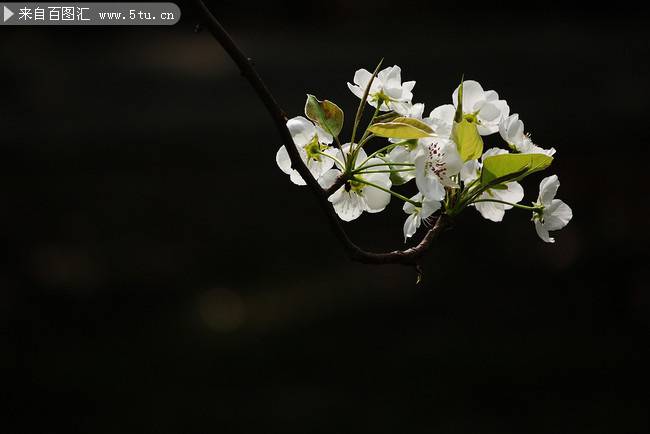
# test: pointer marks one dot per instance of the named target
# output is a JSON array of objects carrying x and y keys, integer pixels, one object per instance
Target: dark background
[{"x": 159, "y": 274}]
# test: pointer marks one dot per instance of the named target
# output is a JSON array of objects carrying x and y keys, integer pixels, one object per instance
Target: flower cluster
[{"x": 442, "y": 153}]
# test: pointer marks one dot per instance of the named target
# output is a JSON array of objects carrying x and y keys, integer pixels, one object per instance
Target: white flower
[
  {"x": 309, "y": 140},
  {"x": 387, "y": 89},
  {"x": 511, "y": 192},
  {"x": 436, "y": 162},
  {"x": 355, "y": 197},
  {"x": 512, "y": 131},
  {"x": 555, "y": 215},
  {"x": 418, "y": 214},
  {"x": 484, "y": 106}
]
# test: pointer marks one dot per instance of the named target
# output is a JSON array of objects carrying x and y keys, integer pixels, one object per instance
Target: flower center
[
  {"x": 313, "y": 149},
  {"x": 381, "y": 98}
]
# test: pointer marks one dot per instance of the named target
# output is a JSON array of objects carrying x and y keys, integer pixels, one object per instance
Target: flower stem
[
  {"x": 359, "y": 169},
  {"x": 385, "y": 171},
  {"x": 515, "y": 205}
]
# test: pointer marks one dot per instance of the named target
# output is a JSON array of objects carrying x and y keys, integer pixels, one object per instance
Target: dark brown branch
[{"x": 409, "y": 256}]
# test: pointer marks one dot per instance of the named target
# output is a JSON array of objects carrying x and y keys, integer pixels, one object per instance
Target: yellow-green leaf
[
  {"x": 415, "y": 123},
  {"x": 512, "y": 167},
  {"x": 468, "y": 140},
  {"x": 399, "y": 130},
  {"x": 324, "y": 113}
]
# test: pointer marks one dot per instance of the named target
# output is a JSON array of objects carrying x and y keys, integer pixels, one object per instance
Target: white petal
[
  {"x": 557, "y": 215},
  {"x": 356, "y": 90},
  {"x": 348, "y": 205},
  {"x": 528, "y": 147},
  {"x": 411, "y": 225},
  {"x": 490, "y": 210},
  {"x": 302, "y": 130},
  {"x": 442, "y": 118},
  {"x": 512, "y": 129},
  {"x": 473, "y": 96},
  {"x": 408, "y": 207},
  {"x": 489, "y": 112},
  {"x": 392, "y": 78},
  {"x": 375, "y": 199},
  {"x": 361, "y": 156},
  {"x": 328, "y": 178},
  {"x": 470, "y": 171},
  {"x": 491, "y": 95},
  {"x": 405, "y": 92},
  {"x": 416, "y": 111},
  {"x": 400, "y": 154},
  {"x": 323, "y": 136},
  {"x": 493, "y": 151},
  {"x": 513, "y": 194},
  {"x": 548, "y": 189},
  {"x": 296, "y": 178},
  {"x": 408, "y": 86},
  {"x": 283, "y": 160},
  {"x": 317, "y": 168},
  {"x": 361, "y": 79},
  {"x": 450, "y": 157},
  {"x": 489, "y": 123},
  {"x": 399, "y": 107},
  {"x": 543, "y": 232},
  {"x": 428, "y": 183},
  {"x": 429, "y": 207}
]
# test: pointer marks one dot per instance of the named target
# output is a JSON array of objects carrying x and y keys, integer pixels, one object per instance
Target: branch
[{"x": 409, "y": 256}]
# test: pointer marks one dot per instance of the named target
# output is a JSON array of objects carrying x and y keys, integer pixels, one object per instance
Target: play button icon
[{"x": 7, "y": 14}]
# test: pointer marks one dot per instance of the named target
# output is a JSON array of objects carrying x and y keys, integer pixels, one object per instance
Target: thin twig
[{"x": 409, "y": 256}]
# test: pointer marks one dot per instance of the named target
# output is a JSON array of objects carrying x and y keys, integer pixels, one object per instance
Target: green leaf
[
  {"x": 468, "y": 140},
  {"x": 512, "y": 167},
  {"x": 415, "y": 123},
  {"x": 324, "y": 113},
  {"x": 406, "y": 128}
]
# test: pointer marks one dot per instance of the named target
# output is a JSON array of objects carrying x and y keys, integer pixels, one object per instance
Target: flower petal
[
  {"x": 347, "y": 204},
  {"x": 429, "y": 207},
  {"x": 513, "y": 194},
  {"x": 375, "y": 199},
  {"x": 428, "y": 183},
  {"x": 328, "y": 178},
  {"x": 548, "y": 189},
  {"x": 361, "y": 79},
  {"x": 302, "y": 130},
  {"x": 490, "y": 210},
  {"x": 543, "y": 232},
  {"x": 557, "y": 215},
  {"x": 411, "y": 225},
  {"x": 283, "y": 160},
  {"x": 473, "y": 96}
]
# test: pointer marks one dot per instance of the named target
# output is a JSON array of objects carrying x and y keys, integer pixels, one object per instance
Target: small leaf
[
  {"x": 468, "y": 140},
  {"x": 512, "y": 167},
  {"x": 399, "y": 130},
  {"x": 324, "y": 113}
]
